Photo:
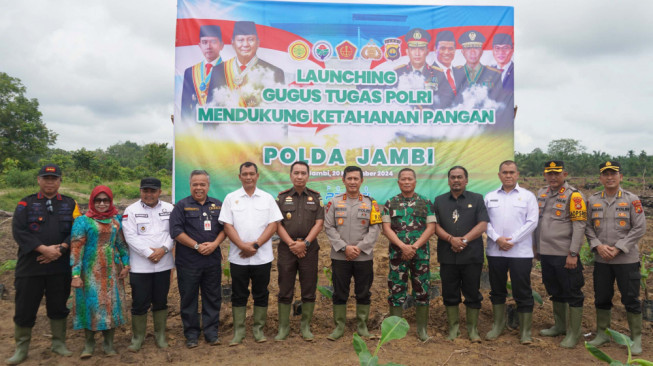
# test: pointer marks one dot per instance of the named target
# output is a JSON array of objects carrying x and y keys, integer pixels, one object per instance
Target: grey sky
[{"x": 103, "y": 71}]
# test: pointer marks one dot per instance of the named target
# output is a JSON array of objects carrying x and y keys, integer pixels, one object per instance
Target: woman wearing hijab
[{"x": 100, "y": 261}]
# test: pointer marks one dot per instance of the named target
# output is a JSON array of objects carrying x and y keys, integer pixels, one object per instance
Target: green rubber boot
[
  {"x": 362, "y": 315},
  {"x": 107, "y": 342},
  {"x": 239, "y": 313},
  {"x": 139, "y": 323},
  {"x": 560, "y": 320},
  {"x": 602, "y": 323},
  {"x": 396, "y": 311},
  {"x": 58, "y": 328},
  {"x": 22, "y": 336},
  {"x": 260, "y": 317},
  {"x": 89, "y": 344},
  {"x": 635, "y": 325},
  {"x": 305, "y": 325},
  {"x": 525, "y": 322},
  {"x": 422, "y": 320},
  {"x": 573, "y": 330},
  {"x": 472, "y": 324},
  {"x": 339, "y": 318},
  {"x": 160, "y": 318},
  {"x": 499, "y": 316},
  {"x": 284, "y": 321},
  {"x": 453, "y": 321}
]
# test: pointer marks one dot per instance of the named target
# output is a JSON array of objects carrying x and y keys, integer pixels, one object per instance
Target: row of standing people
[{"x": 352, "y": 222}]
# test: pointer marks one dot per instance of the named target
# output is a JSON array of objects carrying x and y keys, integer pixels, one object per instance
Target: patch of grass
[
  {"x": 8, "y": 265},
  {"x": 9, "y": 197}
]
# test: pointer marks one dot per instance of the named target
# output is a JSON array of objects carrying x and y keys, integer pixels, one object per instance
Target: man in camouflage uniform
[
  {"x": 559, "y": 236},
  {"x": 615, "y": 223},
  {"x": 409, "y": 222}
]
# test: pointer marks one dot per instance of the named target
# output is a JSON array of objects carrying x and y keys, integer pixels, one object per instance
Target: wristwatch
[
  {"x": 573, "y": 254},
  {"x": 165, "y": 249},
  {"x": 464, "y": 240},
  {"x": 308, "y": 243},
  {"x": 197, "y": 246},
  {"x": 256, "y": 246}
]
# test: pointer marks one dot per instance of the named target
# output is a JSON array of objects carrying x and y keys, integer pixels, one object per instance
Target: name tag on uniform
[{"x": 207, "y": 225}]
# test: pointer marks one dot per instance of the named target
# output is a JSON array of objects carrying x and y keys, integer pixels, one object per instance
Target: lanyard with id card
[{"x": 207, "y": 222}]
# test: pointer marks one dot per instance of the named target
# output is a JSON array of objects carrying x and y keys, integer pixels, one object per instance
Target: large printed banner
[{"x": 382, "y": 87}]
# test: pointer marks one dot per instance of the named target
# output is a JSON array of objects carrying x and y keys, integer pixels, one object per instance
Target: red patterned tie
[
  {"x": 208, "y": 68},
  {"x": 450, "y": 79}
]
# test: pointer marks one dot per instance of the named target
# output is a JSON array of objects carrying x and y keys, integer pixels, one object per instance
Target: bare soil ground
[{"x": 294, "y": 351}]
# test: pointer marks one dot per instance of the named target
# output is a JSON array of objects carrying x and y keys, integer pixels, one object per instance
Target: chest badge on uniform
[
  {"x": 558, "y": 212},
  {"x": 622, "y": 223},
  {"x": 341, "y": 221},
  {"x": 142, "y": 229},
  {"x": 310, "y": 198},
  {"x": 469, "y": 205},
  {"x": 363, "y": 222},
  {"x": 597, "y": 223},
  {"x": 455, "y": 216},
  {"x": 288, "y": 215}
]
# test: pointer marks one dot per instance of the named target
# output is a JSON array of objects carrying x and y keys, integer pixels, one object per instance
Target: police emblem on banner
[
  {"x": 392, "y": 48},
  {"x": 322, "y": 50},
  {"x": 298, "y": 50},
  {"x": 346, "y": 50},
  {"x": 371, "y": 51}
]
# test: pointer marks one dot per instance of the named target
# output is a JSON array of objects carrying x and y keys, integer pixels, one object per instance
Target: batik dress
[{"x": 98, "y": 254}]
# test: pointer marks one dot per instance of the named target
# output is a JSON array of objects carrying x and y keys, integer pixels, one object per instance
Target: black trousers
[
  {"x": 30, "y": 291},
  {"x": 240, "y": 278},
  {"x": 628, "y": 282},
  {"x": 149, "y": 289},
  {"x": 190, "y": 281},
  {"x": 465, "y": 278},
  {"x": 288, "y": 265},
  {"x": 562, "y": 284},
  {"x": 520, "y": 280},
  {"x": 341, "y": 273}
]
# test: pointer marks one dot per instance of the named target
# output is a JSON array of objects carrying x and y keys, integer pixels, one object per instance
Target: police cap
[
  {"x": 554, "y": 166},
  {"x": 418, "y": 37},
  {"x": 614, "y": 165},
  {"x": 50, "y": 169},
  {"x": 471, "y": 39}
]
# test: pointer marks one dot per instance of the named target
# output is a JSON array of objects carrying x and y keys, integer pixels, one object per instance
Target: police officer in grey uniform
[
  {"x": 615, "y": 224},
  {"x": 559, "y": 235},
  {"x": 352, "y": 225}
]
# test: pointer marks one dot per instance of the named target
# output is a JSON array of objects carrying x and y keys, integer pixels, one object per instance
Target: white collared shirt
[
  {"x": 148, "y": 227},
  {"x": 444, "y": 69},
  {"x": 250, "y": 215},
  {"x": 512, "y": 215}
]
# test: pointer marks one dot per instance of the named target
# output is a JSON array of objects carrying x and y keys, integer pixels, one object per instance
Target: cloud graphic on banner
[
  {"x": 476, "y": 97},
  {"x": 258, "y": 79}
]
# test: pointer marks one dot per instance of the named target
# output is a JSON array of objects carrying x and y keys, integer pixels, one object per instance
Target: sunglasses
[{"x": 106, "y": 201}]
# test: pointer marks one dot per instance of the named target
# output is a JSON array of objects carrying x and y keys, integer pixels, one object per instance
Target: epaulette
[
  {"x": 399, "y": 67},
  {"x": 436, "y": 68},
  {"x": 312, "y": 191},
  {"x": 282, "y": 192},
  {"x": 493, "y": 69}
]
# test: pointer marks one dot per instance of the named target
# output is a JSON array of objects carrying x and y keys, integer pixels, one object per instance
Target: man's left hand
[
  {"x": 207, "y": 248},
  {"x": 247, "y": 250},
  {"x": 157, "y": 254},
  {"x": 572, "y": 262}
]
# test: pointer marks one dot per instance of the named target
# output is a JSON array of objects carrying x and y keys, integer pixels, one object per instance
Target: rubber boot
[
  {"x": 422, "y": 319},
  {"x": 362, "y": 314},
  {"x": 58, "y": 328},
  {"x": 284, "y": 321},
  {"x": 453, "y": 321},
  {"x": 107, "y": 342},
  {"x": 260, "y": 317},
  {"x": 396, "y": 311},
  {"x": 89, "y": 344},
  {"x": 499, "y": 317},
  {"x": 160, "y": 318},
  {"x": 139, "y": 323},
  {"x": 472, "y": 324},
  {"x": 560, "y": 320},
  {"x": 602, "y": 323},
  {"x": 573, "y": 330},
  {"x": 23, "y": 336},
  {"x": 339, "y": 318},
  {"x": 239, "y": 313},
  {"x": 635, "y": 325},
  {"x": 305, "y": 325},
  {"x": 525, "y": 322}
]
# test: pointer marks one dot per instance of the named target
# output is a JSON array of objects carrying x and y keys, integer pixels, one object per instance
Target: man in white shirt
[
  {"x": 250, "y": 217},
  {"x": 513, "y": 215},
  {"x": 146, "y": 226}
]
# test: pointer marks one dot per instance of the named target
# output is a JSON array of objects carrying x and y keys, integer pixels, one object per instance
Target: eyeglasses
[
  {"x": 106, "y": 201},
  {"x": 48, "y": 206}
]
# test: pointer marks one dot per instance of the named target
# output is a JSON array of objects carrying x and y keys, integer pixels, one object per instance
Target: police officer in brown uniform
[
  {"x": 559, "y": 236},
  {"x": 615, "y": 224},
  {"x": 303, "y": 218},
  {"x": 352, "y": 224}
]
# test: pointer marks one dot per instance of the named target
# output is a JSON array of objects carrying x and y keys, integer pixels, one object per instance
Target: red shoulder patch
[
  {"x": 638, "y": 206},
  {"x": 22, "y": 203}
]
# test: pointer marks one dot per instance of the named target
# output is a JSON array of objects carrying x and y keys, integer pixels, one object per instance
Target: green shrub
[{"x": 16, "y": 178}]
